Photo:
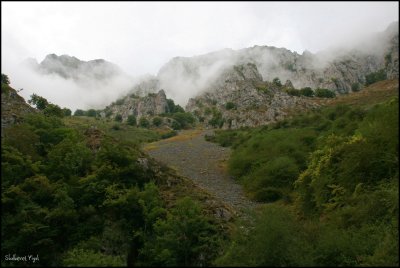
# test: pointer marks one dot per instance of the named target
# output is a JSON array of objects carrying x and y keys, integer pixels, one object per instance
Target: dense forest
[{"x": 79, "y": 191}]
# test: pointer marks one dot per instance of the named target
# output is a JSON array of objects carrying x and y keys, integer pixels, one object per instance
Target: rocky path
[{"x": 203, "y": 162}]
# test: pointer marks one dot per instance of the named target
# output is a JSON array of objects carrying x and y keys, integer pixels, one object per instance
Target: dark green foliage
[
  {"x": 355, "y": 87},
  {"x": 172, "y": 108},
  {"x": 79, "y": 112},
  {"x": 118, "y": 118},
  {"x": 184, "y": 120},
  {"x": 169, "y": 134},
  {"x": 375, "y": 77},
  {"x": 157, "y": 121},
  {"x": 276, "y": 240},
  {"x": 53, "y": 110},
  {"x": 5, "y": 79},
  {"x": 67, "y": 112},
  {"x": 307, "y": 91},
  {"x": 131, "y": 120},
  {"x": 143, "y": 122},
  {"x": 91, "y": 113},
  {"x": 324, "y": 93},
  {"x": 39, "y": 102},
  {"x": 230, "y": 105},
  {"x": 293, "y": 92},
  {"x": 184, "y": 238},
  {"x": 277, "y": 82},
  {"x": 120, "y": 102}
]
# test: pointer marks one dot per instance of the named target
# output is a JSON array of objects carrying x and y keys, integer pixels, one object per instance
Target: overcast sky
[{"x": 141, "y": 36}]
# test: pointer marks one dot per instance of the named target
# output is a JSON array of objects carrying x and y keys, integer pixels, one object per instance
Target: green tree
[
  {"x": 118, "y": 118},
  {"x": 143, "y": 122},
  {"x": 91, "y": 113},
  {"x": 79, "y": 112},
  {"x": 277, "y": 82},
  {"x": 5, "y": 79},
  {"x": 67, "y": 112},
  {"x": 53, "y": 110},
  {"x": 131, "y": 120},
  {"x": 307, "y": 91},
  {"x": 38, "y": 101},
  {"x": 324, "y": 93},
  {"x": 184, "y": 238}
]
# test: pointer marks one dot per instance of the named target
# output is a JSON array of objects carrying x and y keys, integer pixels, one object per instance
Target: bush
[
  {"x": 79, "y": 112},
  {"x": 169, "y": 134},
  {"x": 375, "y": 77},
  {"x": 355, "y": 87},
  {"x": 268, "y": 194},
  {"x": 91, "y": 113},
  {"x": 307, "y": 91},
  {"x": 324, "y": 93},
  {"x": 277, "y": 82},
  {"x": 143, "y": 122},
  {"x": 131, "y": 120},
  {"x": 230, "y": 105},
  {"x": 5, "y": 79},
  {"x": 157, "y": 121},
  {"x": 118, "y": 118}
]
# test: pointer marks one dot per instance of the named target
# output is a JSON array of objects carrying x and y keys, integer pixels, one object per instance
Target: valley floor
[{"x": 204, "y": 163}]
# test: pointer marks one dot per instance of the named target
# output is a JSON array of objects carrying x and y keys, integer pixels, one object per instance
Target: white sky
[{"x": 141, "y": 36}]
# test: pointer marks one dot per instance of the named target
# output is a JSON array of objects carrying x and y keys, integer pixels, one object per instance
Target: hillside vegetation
[
  {"x": 77, "y": 192},
  {"x": 330, "y": 179}
]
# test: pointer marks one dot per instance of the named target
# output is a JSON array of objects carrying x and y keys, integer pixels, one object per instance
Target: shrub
[
  {"x": 324, "y": 93},
  {"x": 157, "y": 121},
  {"x": 355, "y": 87},
  {"x": 230, "y": 105},
  {"x": 375, "y": 77},
  {"x": 268, "y": 194},
  {"x": 277, "y": 82},
  {"x": 131, "y": 120},
  {"x": 79, "y": 112},
  {"x": 91, "y": 113},
  {"x": 143, "y": 122},
  {"x": 118, "y": 118},
  {"x": 307, "y": 91}
]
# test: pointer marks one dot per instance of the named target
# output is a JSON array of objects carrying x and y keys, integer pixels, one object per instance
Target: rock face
[
  {"x": 239, "y": 98},
  {"x": 13, "y": 107},
  {"x": 150, "y": 105}
]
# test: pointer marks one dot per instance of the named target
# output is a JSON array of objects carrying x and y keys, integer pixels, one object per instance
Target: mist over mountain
[{"x": 97, "y": 83}]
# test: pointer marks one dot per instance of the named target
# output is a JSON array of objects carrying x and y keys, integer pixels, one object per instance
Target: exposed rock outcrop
[
  {"x": 150, "y": 105},
  {"x": 239, "y": 98}
]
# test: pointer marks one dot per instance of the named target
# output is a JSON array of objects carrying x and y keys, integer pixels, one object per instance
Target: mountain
[
  {"x": 336, "y": 69},
  {"x": 69, "y": 67}
]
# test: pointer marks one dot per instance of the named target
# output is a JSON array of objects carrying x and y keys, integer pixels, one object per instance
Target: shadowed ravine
[{"x": 203, "y": 162}]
